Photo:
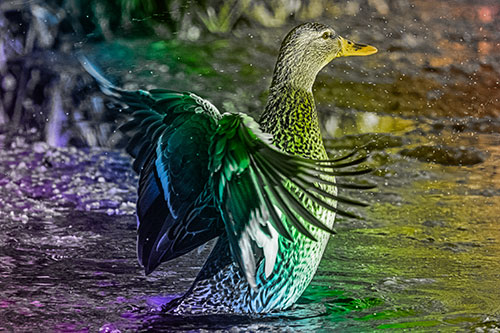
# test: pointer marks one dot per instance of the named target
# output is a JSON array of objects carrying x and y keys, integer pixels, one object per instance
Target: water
[{"x": 425, "y": 256}]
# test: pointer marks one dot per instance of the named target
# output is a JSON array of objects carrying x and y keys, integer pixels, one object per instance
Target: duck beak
[{"x": 349, "y": 48}]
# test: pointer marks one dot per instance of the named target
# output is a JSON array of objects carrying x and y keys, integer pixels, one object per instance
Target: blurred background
[{"x": 425, "y": 256}]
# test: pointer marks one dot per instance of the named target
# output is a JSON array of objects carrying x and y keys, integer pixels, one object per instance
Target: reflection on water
[{"x": 349, "y": 123}]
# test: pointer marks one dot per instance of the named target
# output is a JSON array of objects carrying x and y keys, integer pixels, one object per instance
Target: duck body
[
  {"x": 221, "y": 287},
  {"x": 266, "y": 189}
]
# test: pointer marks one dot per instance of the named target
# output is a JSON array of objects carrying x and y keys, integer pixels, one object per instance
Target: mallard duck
[{"x": 266, "y": 189}]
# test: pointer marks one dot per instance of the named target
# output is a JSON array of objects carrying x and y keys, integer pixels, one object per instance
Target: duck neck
[{"x": 290, "y": 116}]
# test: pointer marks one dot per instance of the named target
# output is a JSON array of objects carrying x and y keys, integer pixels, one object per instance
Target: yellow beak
[{"x": 349, "y": 48}]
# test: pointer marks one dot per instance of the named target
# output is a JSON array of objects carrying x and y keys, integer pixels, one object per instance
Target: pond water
[{"x": 425, "y": 256}]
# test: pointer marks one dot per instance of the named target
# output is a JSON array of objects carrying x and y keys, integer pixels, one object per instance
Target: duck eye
[{"x": 326, "y": 35}]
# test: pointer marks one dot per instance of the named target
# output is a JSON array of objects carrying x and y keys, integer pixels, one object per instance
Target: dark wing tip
[
  {"x": 356, "y": 186},
  {"x": 106, "y": 86},
  {"x": 148, "y": 270}
]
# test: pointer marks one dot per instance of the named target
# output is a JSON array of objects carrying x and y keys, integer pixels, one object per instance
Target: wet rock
[
  {"x": 40, "y": 147},
  {"x": 446, "y": 155}
]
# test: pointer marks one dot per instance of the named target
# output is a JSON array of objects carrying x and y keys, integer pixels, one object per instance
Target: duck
[{"x": 266, "y": 189}]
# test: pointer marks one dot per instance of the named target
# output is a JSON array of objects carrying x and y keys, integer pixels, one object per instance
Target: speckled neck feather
[
  {"x": 290, "y": 116},
  {"x": 290, "y": 113}
]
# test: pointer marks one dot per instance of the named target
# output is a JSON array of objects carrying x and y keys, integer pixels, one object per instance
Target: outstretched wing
[
  {"x": 170, "y": 137},
  {"x": 251, "y": 183},
  {"x": 175, "y": 207}
]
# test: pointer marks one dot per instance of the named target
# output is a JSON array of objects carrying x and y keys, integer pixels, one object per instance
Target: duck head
[{"x": 307, "y": 49}]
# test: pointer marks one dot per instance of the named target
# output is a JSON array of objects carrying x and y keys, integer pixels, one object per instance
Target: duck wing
[
  {"x": 170, "y": 136},
  {"x": 175, "y": 207},
  {"x": 251, "y": 185}
]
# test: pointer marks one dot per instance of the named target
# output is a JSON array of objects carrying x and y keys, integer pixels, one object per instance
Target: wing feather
[
  {"x": 262, "y": 191},
  {"x": 170, "y": 133}
]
